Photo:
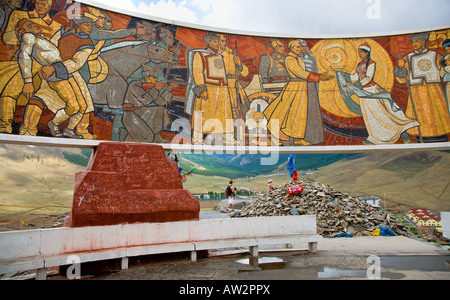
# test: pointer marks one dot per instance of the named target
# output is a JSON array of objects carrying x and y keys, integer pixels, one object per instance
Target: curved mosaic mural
[{"x": 70, "y": 70}]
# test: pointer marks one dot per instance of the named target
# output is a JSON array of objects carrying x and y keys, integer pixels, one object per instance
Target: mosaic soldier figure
[
  {"x": 97, "y": 69},
  {"x": 426, "y": 103},
  {"x": 60, "y": 82},
  {"x": 145, "y": 114},
  {"x": 240, "y": 103},
  {"x": 40, "y": 16},
  {"x": 75, "y": 47},
  {"x": 316, "y": 131},
  {"x": 11, "y": 80},
  {"x": 234, "y": 69},
  {"x": 445, "y": 69},
  {"x": 292, "y": 107},
  {"x": 272, "y": 67},
  {"x": 213, "y": 99}
]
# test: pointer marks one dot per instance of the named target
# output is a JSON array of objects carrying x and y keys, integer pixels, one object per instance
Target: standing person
[
  {"x": 230, "y": 192},
  {"x": 292, "y": 108},
  {"x": 270, "y": 186}
]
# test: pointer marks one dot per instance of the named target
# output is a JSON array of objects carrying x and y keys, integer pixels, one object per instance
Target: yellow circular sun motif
[{"x": 342, "y": 55}]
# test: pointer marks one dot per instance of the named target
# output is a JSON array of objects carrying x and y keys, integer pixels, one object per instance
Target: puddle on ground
[
  {"x": 275, "y": 268},
  {"x": 276, "y": 263},
  {"x": 265, "y": 263},
  {"x": 332, "y": 272},
  {"x": 425, "y": 263}
]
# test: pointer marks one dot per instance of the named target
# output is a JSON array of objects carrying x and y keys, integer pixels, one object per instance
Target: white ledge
[{"x": 76, "y": 143}]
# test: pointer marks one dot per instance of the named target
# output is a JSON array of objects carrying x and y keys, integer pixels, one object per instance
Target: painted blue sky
[{"x": 298, "y": 17}]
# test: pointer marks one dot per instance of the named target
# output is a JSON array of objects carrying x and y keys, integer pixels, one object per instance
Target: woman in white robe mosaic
[{"x": 384, "y": 119}]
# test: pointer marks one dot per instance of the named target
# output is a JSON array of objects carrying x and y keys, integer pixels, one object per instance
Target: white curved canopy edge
[{"x": 250, "y": 33}]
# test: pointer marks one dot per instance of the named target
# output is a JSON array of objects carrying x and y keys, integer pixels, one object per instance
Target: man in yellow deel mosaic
[{"x": 427, "y": 104}]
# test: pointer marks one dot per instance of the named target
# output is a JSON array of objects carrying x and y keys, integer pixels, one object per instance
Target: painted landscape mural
[{"x": 68, "y": 70}]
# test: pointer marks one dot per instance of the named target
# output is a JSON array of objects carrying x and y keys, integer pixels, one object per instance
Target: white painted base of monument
[{"x": 45, "y": 248}]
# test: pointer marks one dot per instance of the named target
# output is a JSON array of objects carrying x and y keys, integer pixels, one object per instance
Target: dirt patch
[
  {"x": 208, "y": 204},
  {"x": 31, "y": 221}
]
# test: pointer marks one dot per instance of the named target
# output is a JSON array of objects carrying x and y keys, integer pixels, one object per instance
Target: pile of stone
[{"x": 336, "y": 212}]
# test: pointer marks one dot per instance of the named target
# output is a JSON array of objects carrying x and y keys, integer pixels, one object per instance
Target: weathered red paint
[{"x": 130, "y": 183}]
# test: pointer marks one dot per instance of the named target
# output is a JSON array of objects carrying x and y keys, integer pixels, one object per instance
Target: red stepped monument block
[{"x": 130, "y": 183}]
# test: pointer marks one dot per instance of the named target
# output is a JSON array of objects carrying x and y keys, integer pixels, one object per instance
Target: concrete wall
[
  {"x": 67, "y": 240},
  {"x": 26, "y": 250},
  {"x": 445, "y": 219},
  {"x": 308, "y": 110}
]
